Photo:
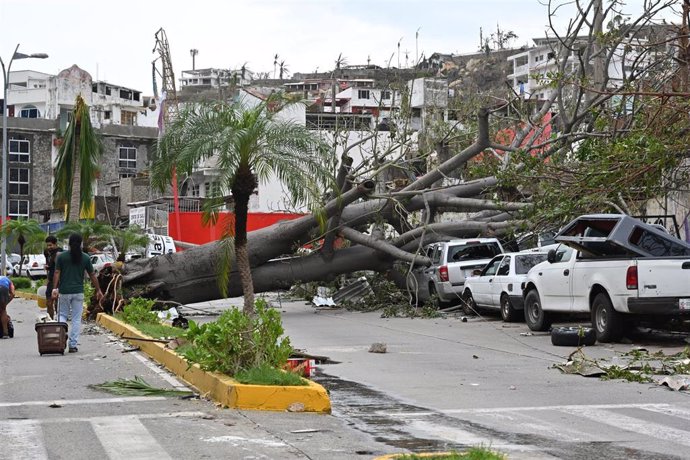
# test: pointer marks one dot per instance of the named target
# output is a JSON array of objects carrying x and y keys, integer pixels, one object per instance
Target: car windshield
[
  {"x": 523, "y": 263},
  {"x": 472, "y": 251}
]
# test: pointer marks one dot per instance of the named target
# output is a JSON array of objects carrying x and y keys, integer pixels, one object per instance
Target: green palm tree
[
  {"x": 25, "y": 232},
  {"x": 129, "y": 238},
  {"x": 77, "y": 163},
  {"x": 250, "y": 145},
  {"x": 93, "y": 233}
]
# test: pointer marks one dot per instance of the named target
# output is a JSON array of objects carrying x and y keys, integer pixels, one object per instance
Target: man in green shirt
[{"x": 68, "y": 283}]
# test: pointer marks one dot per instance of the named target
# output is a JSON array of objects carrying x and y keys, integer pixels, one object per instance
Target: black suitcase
[{"x": 52, "y": 337}]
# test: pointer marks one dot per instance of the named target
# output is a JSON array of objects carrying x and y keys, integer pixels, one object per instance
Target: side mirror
[
  {"x": 551, "y": 256},
  {"x": 476, "y": 272}
]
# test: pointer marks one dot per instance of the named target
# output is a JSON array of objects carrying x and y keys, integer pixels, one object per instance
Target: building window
[
  {"x": 194, "y": 190},
  {"x": 212, "y": 188},
  {"x": 107, "y": 114},
  {"x": 108, "y": 90},
  {"x": 19, "y": 151},
  {"x": 19, "y": 208},
  {"x": 362, "y": 94},
  {"x": 128, "y": 157},
  {"x": 29, "y": 112},
  {"x": 128, "y": 118},
  {"x": 385, "y": 94},
  {"x": 125, "y": 175},
  {"x": 19, "y": 181}
]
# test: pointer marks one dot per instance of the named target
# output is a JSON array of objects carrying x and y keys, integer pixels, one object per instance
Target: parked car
[
  {"x": 452, "y": 262},
  {"x": 619, "y": 270},
  {"x": 33, "y": 266},
  {"x": 101, "y": 260},
  {"x": 499, "y": 284}
]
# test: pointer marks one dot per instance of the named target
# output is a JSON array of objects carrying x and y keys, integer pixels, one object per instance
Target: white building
[{"x": 32, "y": 94}]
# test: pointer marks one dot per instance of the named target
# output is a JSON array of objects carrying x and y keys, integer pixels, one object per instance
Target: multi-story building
[{"x": 32, "y": 94}]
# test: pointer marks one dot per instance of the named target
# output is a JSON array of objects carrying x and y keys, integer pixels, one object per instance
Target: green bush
[
  {"x": 21, "y": 282},
  {"x": 236, "y": 342},
  {"x": 138, "y": 310},
  {"x": 267, "y": 375}
]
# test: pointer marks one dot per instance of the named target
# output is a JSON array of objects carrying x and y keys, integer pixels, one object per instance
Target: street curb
[
  {"x": 422, "y": 455},
  {"x": 223, "y": 389},
  {"x": 27, "y": 295}
]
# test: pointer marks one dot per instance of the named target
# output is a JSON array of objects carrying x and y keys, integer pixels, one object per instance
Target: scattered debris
[
  {"x": 463, "y": 319},
  {"x": 137, "y": 387},
  {"x": 637, "y": 365},
  {"x": 131, "y": 349},
  {"x": 55, "y": 406},
  {"x": 378, "y": 347},
  {"x": 526, "y": 334},
  {"x": 323, "y": 297},
  {"x": 296, "y": 407},
  {"x": 307, "y": 430},
  {"x": 475, "y": 357},
  {"x": 676, "y": 382},
  {"x": 512, "y": 387}
]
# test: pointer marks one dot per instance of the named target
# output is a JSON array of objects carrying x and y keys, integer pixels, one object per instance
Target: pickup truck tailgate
[{"x": 663, "y": 277}]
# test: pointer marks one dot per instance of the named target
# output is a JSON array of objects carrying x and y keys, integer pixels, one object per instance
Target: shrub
[
  {"x": 138, "y": 310},
  {"x": 236, "y": 342},
  {"x": 21, "y": 282},
  {"x": 267, "y": 375}
]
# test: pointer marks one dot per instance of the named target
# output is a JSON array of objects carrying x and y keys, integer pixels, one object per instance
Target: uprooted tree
[{"x": 586, "y": 139}]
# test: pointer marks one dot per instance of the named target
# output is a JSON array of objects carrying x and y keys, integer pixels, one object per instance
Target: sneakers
[{"x": 73, "y": 349}]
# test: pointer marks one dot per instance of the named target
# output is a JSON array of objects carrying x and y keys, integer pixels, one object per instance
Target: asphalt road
[
  {"x": 445, "y": 383},
  {"x": 47, "y": 411}
]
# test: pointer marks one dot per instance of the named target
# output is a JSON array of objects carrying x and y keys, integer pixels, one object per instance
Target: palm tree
[
  {"x": 129, "y": 238},
  {"x": 25, "y": 231},
  {"x": 250, "y": 145},
  {"x": 77, "y": 163},
  {"x": 93, "y": 233}
]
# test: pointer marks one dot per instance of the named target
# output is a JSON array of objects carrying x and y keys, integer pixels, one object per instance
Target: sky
[{"x": 113, "y": 40}]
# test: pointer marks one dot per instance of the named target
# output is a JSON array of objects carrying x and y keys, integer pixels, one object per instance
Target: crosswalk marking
[
  {"x": 22, "y": 440},
  {"x": 69, "y": 402},
  {"x": 126, "y": 438},
  {"x": 626, "y": 423}
]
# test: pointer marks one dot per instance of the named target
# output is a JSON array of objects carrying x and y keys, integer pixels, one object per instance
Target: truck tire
[
  {"x": 508, "y": 312},
  {"x": 606, "y": 322},
  {"x": 535, "y": 317},
  {"x": 568, "y": 336}
]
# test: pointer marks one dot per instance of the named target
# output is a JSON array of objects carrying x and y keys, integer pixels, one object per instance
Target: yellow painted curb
[
  {"x": 423, "y": 454},
  {"x": 221, "y": 388},
  {"x": 27, "y": 295}
]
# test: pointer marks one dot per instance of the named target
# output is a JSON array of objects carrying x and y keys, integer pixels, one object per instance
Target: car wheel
[
  {"x": 568, "y": 336},
  {"x": 508, "y": 312},
  {"x": 469, "y": 306},
  {"x": 433, "y": 295},
  {"x": 607, "y": 322},
  {"x": 535, "y": 317}
]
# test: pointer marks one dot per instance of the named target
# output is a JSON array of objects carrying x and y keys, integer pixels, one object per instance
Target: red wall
[{"x": 188, "y": 226}]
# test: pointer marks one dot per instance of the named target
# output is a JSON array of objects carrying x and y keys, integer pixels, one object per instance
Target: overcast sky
[{"x": 113, "y": 40}]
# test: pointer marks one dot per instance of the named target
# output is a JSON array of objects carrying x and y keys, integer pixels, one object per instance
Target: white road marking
[
  {"x": 635, "y": 425},
  {"x": 22, "y": 440},
  {"x": 673, "y": 411},
  {"x": 165, "y": 375},
  {"x": 70, "y": 402},
  {"x": 237, "y": 441},
  {"x": 126, "y": 438},
  {"x": 139, "y": 416},
  {"x": 490, "y": 410}
]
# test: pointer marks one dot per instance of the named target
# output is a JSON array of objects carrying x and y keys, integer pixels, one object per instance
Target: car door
[
  {"x": 496, "y": 286},
  {"x": 418, "y": 282},
  {"x": 481, "y": 285},
  {"x": 554, "y": 288}
]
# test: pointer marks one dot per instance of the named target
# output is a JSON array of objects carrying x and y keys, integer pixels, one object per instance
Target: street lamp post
[{"x": 3, "y": 211}]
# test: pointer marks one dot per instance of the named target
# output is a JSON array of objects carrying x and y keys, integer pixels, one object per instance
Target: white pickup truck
[
  {"x": 614, "y": 267},
  {"x": 452, "y": 262}
]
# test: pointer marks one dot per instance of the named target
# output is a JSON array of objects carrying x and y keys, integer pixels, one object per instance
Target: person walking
[
  {"x": 68, "y": 286},
  {"x": 6, "y": 296},
  {"x": 50, "y": 253}
]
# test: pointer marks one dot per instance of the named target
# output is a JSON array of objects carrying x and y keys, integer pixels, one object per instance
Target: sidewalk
[{"x": 48, "y": 411}]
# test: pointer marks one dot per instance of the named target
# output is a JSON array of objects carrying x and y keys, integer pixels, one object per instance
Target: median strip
[{"x": 221, "y": 388}]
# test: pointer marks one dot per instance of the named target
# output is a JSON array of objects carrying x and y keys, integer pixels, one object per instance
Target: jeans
[{"x": 71, "y": 304}]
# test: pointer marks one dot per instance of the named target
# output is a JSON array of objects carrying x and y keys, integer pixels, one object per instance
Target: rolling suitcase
[{"x": 52, "y": 337}]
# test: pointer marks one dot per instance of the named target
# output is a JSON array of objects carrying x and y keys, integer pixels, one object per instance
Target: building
[
  {"x": 32, "y": 94},
  {"x": 33, "y": 144}
]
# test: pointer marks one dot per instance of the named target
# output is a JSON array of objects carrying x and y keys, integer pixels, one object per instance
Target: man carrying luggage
[
  {"x": 6, "y": 295},
  {"x": 51, "y": 253},
  {"x": 68, "y": 286}
]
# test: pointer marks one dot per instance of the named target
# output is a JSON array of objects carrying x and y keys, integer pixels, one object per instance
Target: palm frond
[{"x": 137, "y": 387}]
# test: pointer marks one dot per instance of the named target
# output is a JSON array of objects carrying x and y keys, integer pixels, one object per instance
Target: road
[
  {"x": 445, "y": 383},
  {"x": 47, "y": 411}
]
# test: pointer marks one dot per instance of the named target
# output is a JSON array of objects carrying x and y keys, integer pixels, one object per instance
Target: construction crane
[
  {"x": 167, "y": 100},
  {"x": 168, "y": 96}
]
